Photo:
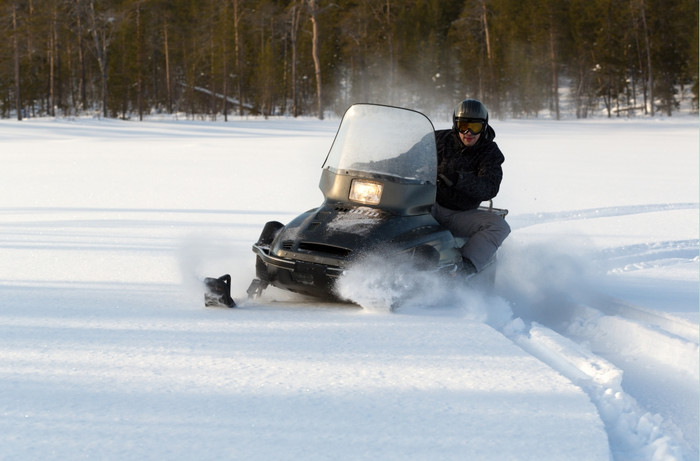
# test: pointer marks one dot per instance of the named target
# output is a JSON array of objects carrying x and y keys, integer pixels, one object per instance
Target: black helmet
[{"x": 470, "y": 109}]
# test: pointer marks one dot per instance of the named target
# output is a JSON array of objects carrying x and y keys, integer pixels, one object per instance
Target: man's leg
[{"x": 484, "y": 230}]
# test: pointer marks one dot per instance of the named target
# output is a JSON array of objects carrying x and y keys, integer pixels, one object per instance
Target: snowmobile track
[
  {"x": 583, "y": 352},
  {"x": 668, "y": 323}
]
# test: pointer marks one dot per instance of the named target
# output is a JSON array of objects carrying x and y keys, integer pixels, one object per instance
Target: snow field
[{"x": 107, "y": 226}]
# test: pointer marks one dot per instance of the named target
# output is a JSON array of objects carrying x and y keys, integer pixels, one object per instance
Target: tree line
[{"x": 214, "y": 58}]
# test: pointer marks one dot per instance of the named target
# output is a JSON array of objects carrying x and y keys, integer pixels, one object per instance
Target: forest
[{"x": 212, "y": 59}]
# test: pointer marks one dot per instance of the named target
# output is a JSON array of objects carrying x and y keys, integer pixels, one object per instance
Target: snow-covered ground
[{"x": 587, "y": 349}]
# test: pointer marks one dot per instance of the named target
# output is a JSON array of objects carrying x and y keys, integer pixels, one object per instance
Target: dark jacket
[{"x": 469, "y": 175}]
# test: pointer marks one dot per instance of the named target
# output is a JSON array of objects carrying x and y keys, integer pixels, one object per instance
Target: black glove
[{"x": 445, "y": 174}]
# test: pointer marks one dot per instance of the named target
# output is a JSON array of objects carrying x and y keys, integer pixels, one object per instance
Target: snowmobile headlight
[{"x": 366, "y": 192}]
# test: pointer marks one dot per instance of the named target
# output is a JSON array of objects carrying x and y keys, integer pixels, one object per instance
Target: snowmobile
[{"x": 379, "y": 184}]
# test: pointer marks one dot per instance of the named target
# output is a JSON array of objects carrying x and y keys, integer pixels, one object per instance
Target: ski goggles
[{"x": 472, "y": 126}]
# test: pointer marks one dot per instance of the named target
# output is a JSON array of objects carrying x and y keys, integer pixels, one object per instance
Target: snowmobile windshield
[{"x": 384, "y": 140}]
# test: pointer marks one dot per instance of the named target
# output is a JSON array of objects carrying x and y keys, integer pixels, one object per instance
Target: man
[{"x": 469, "y": 172}]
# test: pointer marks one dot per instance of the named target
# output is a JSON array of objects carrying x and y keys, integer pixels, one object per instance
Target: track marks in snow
[
  {"x": 639, "y": 366},
  {"x": 525, "y": 220},
  {"x": 633, "y": 432},
  {"x": 654, "y": 320},
  {"x": 659, "y": 356},
  {"x": 650, "y": 255}
]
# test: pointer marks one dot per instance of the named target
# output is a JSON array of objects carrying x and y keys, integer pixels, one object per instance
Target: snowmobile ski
[{"x": 218, "y": 292}]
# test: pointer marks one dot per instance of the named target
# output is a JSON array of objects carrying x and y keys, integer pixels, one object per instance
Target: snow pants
[{"x": 484, "y": 230}]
